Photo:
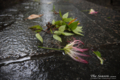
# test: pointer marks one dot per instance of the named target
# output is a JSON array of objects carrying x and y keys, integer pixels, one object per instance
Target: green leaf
[
  {"x": 78, "y": 30},
  {"x": 59, "y": 22},
  {"x": 36, "y": 28},
  {"x": 98, "y": 54},
  {"x": 65, "y": 15},
  {"x": 101, "y": 60},
  {"x": 60, "y": 13},
  {"x": 67, "y": 34},
  {"x": 57, "y": 32},
  {"x": 78, "y": 33},
  {"x": 79, "y": 27},
  {"x": 62, "y": 28},
  {"x": 57, "y": 38},
  {"x": 57, "y": 26},
  {"x": 39, "y": 37},
  {"x": 53, "y": 22},
  {"x": 64, "y": 23},
  {"x": 53, "y": 8},
  {"x": 73, "y": 25},
  {"x": 51, "y": 31},
  {"x": 67, "y": 19}
]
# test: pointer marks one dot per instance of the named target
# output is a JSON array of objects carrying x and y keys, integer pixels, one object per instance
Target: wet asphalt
[{"x": 21, "y": 59}]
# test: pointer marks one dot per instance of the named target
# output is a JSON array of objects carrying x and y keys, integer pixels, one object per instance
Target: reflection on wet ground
[{"x": 21, "y": 59}]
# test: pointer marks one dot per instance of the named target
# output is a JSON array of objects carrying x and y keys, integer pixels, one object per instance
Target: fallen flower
[
  {"x": 33, "y": 16},
  {"x": 73, "y": 50},
  {"x": 92, "y": 11}
]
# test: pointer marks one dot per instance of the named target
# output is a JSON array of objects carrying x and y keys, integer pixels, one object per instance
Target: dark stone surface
[
  {"x": 8, "y": 3},
  {"x": 17, "y": 41},
  {"x": 114, "y": 4}
]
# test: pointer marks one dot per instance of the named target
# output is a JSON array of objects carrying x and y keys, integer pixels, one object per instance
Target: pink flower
[
  {"x": 92, "y": 11},
  {"x": 73, "y": 50}
]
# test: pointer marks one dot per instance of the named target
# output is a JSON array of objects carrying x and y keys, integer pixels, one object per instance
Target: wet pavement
[{"x": 21, "y": 59}]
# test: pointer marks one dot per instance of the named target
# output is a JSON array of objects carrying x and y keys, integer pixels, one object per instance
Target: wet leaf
[
  {"x": 33, "y": 16},
  {"x": 73, "y": 25},
  {"x": 78, "y": 33},
  {"x": 72, "y": 21},
  {"x": 67, "y": 34},
  {"x": 57, "y": 38},
  {"x": 67, "y": 19},
  {"x": 58, "y": 22},
  {"x": 57, "y": 32},
  {"x": 62, "y": 28},
  {"x": 36, "y": 28},
  {"x": 60, "y": 13},
  {"x": 101, "y": 60},
  {"x": 78, "y": 30},
  {"x": 39, "y": 37},
  {"x": 57, "y": 26},
  {"x": 98, "y": 54},
  {"x": 53, "y": 22},
  {"x": 51, "y": 31},
  {"x": 53, "y": 8},
  {"x": 65, "y": 15}
]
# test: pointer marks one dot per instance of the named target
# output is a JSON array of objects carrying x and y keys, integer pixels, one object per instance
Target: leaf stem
[
  {"x": 50, "y": 48},
  {"x": 44, "y": 31}
]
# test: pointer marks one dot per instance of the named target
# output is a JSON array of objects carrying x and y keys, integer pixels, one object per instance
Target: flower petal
[
  {"x": 80, "y": 54},
  {"x": 92, "y": 11},
  {"x": 78, "y": 49},
  {"x": 76, "y": 58},
  {"x": 73, "y": 51},
  {"x": 76, "y": 42}
]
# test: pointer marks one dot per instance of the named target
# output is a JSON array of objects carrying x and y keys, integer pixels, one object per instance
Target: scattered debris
[
  {"x": 49, "y": 2},
  {"x": 55, "y": 12},
  {"x": 85, "y": 10},
  {"x": 108, "y": 17}
]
